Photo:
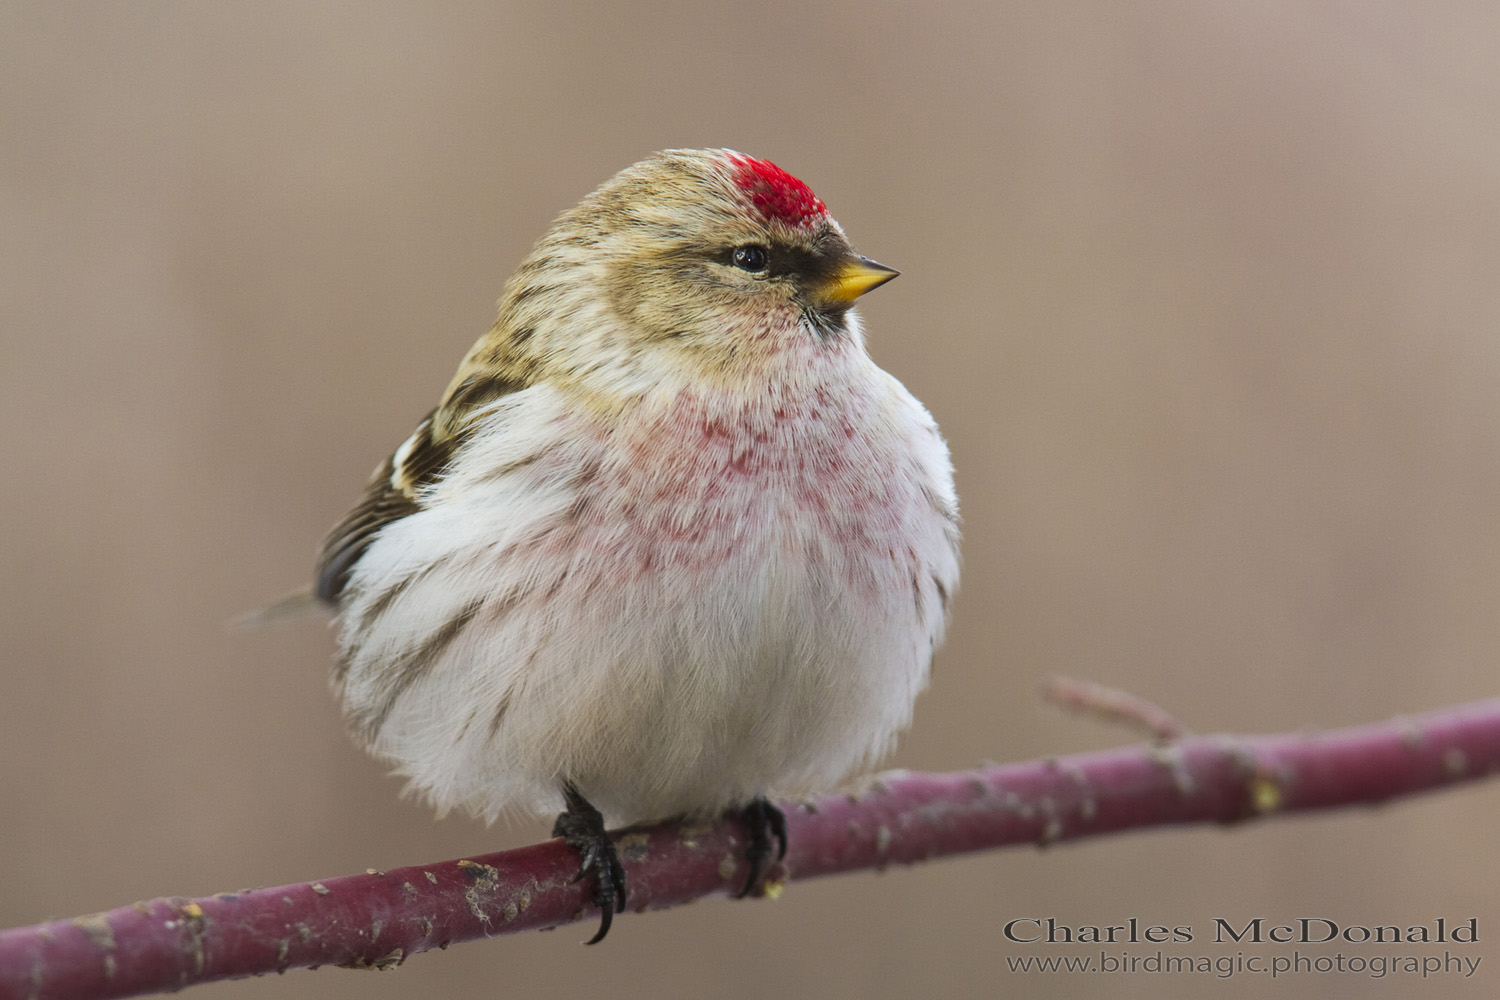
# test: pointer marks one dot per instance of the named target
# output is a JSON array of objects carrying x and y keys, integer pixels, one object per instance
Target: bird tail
[{"x": 298, "y": 604}]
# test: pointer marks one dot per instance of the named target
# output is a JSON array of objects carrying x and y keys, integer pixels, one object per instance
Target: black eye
[{"x": 750, "y": 257}]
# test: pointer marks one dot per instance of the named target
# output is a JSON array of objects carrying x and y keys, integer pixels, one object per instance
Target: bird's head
[{"x": 704, "y": 258}]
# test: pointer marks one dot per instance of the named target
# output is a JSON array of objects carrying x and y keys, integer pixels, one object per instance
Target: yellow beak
[{"x": 854, "y": 279}]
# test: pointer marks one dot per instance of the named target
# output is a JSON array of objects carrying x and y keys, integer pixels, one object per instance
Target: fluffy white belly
[{"x": 672, "y": 636}]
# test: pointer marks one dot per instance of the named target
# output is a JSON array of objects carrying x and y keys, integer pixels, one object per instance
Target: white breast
[{"x": 679, "y": 608}]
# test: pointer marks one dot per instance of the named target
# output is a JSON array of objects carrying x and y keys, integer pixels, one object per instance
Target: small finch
[{"x": 671, "y": 542}]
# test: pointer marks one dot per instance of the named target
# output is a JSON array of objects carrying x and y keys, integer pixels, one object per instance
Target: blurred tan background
[{"x": 1205, "y": 296}]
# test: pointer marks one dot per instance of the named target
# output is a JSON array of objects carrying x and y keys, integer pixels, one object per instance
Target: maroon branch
[{"x": 379, "y": 919}]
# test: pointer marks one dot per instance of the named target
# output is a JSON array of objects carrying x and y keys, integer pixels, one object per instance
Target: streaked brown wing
[
  {"x": 393, "y": 493},
  {"x": 396, "y": 489}
]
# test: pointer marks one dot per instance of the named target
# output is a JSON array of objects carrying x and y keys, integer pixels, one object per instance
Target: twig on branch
[
  {"x": 1114, "y": 705},
  {"x": 377, "y": 920}
]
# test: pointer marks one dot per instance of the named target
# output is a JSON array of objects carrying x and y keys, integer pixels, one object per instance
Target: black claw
[
  {"x": 582, "y": 827},
  {"x": 765, "y": 821}
]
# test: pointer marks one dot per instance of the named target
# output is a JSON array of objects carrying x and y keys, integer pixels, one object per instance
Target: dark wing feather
[
  {"x": 393, "y": 493},
  {"x": 396, "y": 490}
]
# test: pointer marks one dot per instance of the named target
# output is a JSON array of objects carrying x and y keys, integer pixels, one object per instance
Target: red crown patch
[{"x": 776, "y": 193}]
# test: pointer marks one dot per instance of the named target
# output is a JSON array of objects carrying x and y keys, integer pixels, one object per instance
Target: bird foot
[
  {"x": 581, "y": 826},
  {"x": 765, "y": 821}
]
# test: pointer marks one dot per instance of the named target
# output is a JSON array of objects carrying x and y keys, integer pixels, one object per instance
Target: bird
[{"x": 671, "y": 544}]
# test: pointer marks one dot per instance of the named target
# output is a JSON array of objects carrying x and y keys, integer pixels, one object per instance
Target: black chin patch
[{"x": 828, "y": 324}]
